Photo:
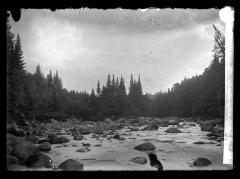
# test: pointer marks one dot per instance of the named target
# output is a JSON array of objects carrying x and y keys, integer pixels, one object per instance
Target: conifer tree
[
  {"x": 98, "y": 89},
  {"x": 109, "y": 81}
]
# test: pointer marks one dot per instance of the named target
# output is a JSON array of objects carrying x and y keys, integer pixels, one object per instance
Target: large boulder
[
  {"x": 145, "y": 147},
  {"x": 45, "y": 147},
  {"x": 71, "y": 165},
  {"x": 43, "y": 161},
  {"x": 26, "y": 152},
  {"x": 201, "y": 162},
  {"x": 57, "y": 140},
  {"x": 139, "y": 160},
  {"x": 173, "y": 130}
]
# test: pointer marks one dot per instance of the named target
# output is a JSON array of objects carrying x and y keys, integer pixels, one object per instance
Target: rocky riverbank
[{"x": 123, "y": 144}]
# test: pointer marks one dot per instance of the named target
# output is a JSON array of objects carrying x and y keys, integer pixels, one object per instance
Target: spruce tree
[
  {"x": 98, "y": 89},
  {"x": 109, "y": 81}
]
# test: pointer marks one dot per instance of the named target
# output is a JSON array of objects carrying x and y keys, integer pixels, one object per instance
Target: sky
[{"x": 163, "y": 46}]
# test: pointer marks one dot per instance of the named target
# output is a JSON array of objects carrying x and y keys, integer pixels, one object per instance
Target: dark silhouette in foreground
[{"x": 154, "y": 162}]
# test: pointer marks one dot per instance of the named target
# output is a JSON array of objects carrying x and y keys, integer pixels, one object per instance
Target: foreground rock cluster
[{"x": 28, "y": 143}]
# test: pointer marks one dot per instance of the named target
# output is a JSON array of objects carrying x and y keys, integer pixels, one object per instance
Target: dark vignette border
[{"x": 13, "y": 8}]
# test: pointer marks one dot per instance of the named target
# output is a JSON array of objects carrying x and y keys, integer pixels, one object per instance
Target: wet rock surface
[{"x": 139, "y": 160}]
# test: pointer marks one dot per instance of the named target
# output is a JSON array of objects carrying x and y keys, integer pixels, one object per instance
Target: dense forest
[{"x": 35, "y": 96}]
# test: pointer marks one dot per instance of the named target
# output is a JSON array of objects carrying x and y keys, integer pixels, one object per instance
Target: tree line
[{"x": 35, "y": 96}]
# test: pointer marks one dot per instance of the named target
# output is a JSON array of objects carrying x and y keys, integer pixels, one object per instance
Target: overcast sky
[{"x": 84, "y": 45}]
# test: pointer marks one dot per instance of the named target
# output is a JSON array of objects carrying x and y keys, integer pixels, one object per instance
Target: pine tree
[
  {"x": 117, "y": 83},
  {"x": 113, "y": 82},
  {"x": 139, "y": 86},
  {"x": 98, "y": 89},
  {"x": 108, "y": 81},
  {"x": 11, "y": 91},
  {"x": 18, "y": 56},
  {"x": 50, "y": 80},
  {"x": 122, "y": 86},
  {"x": 16, "y": 75}
]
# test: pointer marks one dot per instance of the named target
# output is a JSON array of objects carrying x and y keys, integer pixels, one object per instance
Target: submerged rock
[
  {"x": 83, "y": 150},
  {"x": 201, "y": 162},
  {"x": 71, "y": 165},
  {"x": 139, "y": 160},
  {"x": 145, "y": 147},
  {"x": 173, "y": 130},
  {"x": 86, "y": 144},
  {"x": 199, "y": 142},
  {"x": 121, "y": 138},
  {"x": 26, "y": 152}
]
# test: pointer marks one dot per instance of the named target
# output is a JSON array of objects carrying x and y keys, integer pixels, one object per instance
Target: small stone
[
  {"x": 86, "y": 144},
  {"x": 83, "y": 150},
  {"x": 139, "y": 160}
]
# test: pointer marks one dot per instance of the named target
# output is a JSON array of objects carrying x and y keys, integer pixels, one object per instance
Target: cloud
[{"x": 85, "y": 45}]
